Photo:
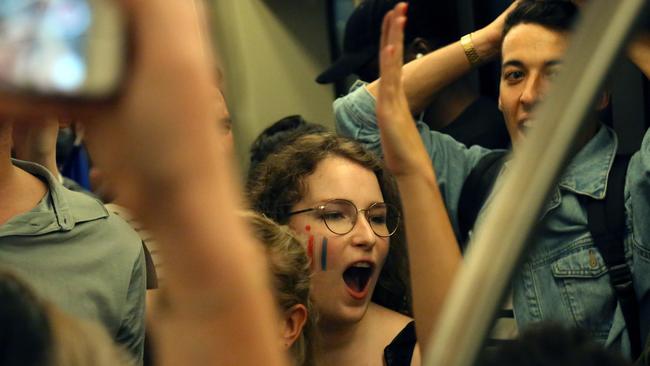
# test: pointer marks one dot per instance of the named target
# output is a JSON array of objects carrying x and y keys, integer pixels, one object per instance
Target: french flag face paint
[
  {"x": 313, "y": 252},
  {"x": 310, "y": 246},
  {"x": 323, "y": 255}
]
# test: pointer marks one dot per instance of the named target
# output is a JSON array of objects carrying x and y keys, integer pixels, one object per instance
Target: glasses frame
[{"x": 322, "y": 206}]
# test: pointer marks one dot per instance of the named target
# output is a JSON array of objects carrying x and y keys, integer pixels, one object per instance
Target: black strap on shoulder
[
  {"x": 606, "y": 222},
  {"x": 476, "y": 189}
]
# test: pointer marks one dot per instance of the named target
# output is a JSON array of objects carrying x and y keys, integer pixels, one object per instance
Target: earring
[{"x": 419, "y": 55}]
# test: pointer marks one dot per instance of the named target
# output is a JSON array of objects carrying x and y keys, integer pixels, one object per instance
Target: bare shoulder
[
  {"x": 417, "y": 356},
  {"x": 389, "y": 321},
  {"x": 390, "y": 316}
]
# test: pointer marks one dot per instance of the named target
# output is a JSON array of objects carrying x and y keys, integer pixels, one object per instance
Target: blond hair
[
  {"x": 77, "y": 342},
  {"x": 290, "y": 269}
]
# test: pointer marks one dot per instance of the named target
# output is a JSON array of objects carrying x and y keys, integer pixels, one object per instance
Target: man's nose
[{"x": 533, "y": 91}]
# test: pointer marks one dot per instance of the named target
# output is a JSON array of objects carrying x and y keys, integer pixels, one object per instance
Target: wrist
[
  {"x": 470, "y": 51},
  {"x": 422, "y": 175},
  {"x": 487, "y": 43}
]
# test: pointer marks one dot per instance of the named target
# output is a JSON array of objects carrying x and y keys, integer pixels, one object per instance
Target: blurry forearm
[
  {"x": 639, "y": 53},
  {"x": 433, "y": 251},
  {"x": 220, "y": 302}
]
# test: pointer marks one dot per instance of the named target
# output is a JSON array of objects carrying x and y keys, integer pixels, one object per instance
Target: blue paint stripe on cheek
[{"x": 323, "y": 256}]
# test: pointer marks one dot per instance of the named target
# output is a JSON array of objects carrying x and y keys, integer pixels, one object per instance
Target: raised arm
[
  {"x": 425, "y": 76},
  {"x": 639, "y": 52},
  {"x": 434, "y": 255},
  {"x": 158, "y": 146}
]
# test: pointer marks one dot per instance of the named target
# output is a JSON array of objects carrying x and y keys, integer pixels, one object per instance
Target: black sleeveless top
[{"x": 400, "y": 351}]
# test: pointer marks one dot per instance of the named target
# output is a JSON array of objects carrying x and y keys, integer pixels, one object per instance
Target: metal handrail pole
[{"x": 500, "y": 238}]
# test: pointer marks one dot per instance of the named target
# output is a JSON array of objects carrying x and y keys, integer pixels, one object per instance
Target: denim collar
[{"x": 588, "y": 171}]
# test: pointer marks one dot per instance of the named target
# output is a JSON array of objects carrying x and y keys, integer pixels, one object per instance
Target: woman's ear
[{"x": 294, "y": 320}]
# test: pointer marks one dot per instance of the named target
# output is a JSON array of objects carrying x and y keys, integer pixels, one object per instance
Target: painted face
[
  {"x": 346, "y": 267},
  {"x": 532, "y": 55}
]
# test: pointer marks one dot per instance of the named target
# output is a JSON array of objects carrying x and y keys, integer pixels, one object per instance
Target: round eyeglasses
[{"x": 341, "y": 215}]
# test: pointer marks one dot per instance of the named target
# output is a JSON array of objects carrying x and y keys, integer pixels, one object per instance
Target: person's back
[
  {"x": 36, "y": 333},
  {"x": 79, "y": 257}
]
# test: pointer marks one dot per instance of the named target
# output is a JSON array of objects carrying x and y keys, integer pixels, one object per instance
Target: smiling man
[{"x": 564, "y": 278}]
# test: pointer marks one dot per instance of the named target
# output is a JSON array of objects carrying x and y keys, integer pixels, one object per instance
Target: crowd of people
[{"x": 342, "y": 247}]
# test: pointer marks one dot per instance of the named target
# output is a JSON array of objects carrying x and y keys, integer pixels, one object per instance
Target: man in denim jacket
[{"x": 564, "y": 277}]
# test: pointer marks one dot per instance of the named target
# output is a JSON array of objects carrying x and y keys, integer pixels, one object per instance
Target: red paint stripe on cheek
[{"x": 310, "y": 249}]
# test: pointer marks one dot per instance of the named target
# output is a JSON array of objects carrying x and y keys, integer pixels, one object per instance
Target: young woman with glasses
[{"x": 337, "y": 196}]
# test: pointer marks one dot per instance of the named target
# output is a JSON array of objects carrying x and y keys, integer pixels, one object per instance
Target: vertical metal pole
[{"x": 500, "y": 238}]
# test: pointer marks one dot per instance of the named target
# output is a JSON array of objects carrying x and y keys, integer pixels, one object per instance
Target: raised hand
[
  {"x": 404, "y": 152},
  {"x": 495, "y": 28},
  {"x": 433, "y": 252}
]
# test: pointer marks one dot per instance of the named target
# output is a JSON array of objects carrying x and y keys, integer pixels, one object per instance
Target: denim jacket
[{"x": 563, "y": 278}]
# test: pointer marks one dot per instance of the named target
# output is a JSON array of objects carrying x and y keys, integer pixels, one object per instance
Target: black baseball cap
[{"x": 360, "y": 41}]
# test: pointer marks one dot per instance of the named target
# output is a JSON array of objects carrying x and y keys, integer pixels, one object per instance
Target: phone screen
[{"x": 43, "y": 45}]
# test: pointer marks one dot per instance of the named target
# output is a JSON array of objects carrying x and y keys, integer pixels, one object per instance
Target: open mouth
[{"x": 357, "y": 277}]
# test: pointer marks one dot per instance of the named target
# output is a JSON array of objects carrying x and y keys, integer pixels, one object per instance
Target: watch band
[{"x": 468, "y": 46}]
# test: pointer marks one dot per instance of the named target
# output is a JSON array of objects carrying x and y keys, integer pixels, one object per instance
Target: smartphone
[{"x": 66, "y": 48}]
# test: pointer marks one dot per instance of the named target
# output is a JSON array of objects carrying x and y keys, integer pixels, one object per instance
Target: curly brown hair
[{"x": 278, "y": 184}]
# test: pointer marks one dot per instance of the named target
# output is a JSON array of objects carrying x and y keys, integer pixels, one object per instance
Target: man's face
[{"x": 532, "y": 55}]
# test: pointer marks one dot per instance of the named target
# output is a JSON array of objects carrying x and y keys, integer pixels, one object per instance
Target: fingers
[
  {"x": 511, "y": 8},
  {"x": 392, "y": 50},
  {"x": 396, "y": 41}
]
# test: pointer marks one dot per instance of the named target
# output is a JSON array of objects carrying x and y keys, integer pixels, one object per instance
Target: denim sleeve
[
  {"x": 131, "y": 332},
  {"x": 452, "y": 161},
  {"x": 639, "y": 191},
  {"x": 638, "y": 208}
]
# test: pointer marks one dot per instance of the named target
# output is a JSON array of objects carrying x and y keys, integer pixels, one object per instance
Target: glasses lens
[
  {"x": 383, "y": 218},
  {"x": 339, "y": 216}
]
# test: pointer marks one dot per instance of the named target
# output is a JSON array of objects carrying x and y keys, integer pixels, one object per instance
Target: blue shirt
[{"x": 563, "y": 278}]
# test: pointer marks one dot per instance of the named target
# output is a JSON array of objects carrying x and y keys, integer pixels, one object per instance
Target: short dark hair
[
  {"x": 278, "y": 134},
  {"x": 557, "y": 15}
]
